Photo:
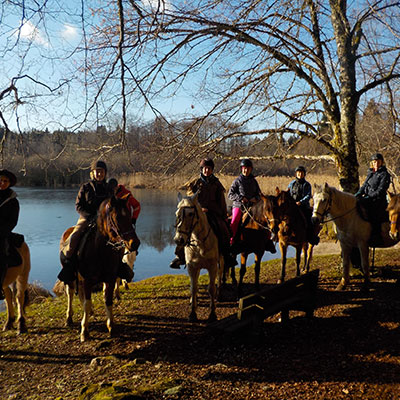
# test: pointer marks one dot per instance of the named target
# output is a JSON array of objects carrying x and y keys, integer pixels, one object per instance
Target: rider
[
  {"x": 244, "y": 192},
  {"x": 90, "y": 196},
  {"x": 372, "y": 196},
  {"x": 300, "y": 190},
  {"x": 211, "y": 196},
  {"x": 9, "y": 212}
]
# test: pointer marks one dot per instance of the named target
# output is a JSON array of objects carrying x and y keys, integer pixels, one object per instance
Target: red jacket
[{"x": 133, "y": 204}]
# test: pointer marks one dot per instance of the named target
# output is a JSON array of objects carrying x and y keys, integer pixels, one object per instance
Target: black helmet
[
  {"x": 98, "y": 164},
  {"x": 246, "y": 163},
  {"x": 377, "y": 156},
  {"x": 300, "y": 168},
  {"x": 207, "y": 162}
]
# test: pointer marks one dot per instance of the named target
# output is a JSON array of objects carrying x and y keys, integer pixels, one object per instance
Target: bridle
[
  {"x": 255, "y": 221},
  {"x": 326, "y": 211},
  {"x": 113, "y": 226},
  {"x": 195, "y": 220}
]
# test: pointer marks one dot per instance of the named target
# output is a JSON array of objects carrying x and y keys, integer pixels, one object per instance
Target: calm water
[{"x": 46, "y": 213}]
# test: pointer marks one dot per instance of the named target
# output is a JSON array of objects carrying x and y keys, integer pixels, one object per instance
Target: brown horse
[
  {"x": 100, "y": 258},
  {"x": 289, "y": 223},
  {"x": 254, "y": 236},
  {"x": 18, "y": 274}
]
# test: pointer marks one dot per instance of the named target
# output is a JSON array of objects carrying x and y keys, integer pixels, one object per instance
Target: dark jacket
[
  {"x": 90, "y": 196},
  {"x": 211, "y": 195},
  {"x": 9, "y": 212},
  {"x": 244, "y": 187},
  {"x": 376, "y": 185},
  {"x": 300, "y": 190}
]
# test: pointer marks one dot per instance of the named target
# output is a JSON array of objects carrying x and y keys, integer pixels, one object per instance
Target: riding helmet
[
  {"x": 246, "y": 163},
  {"x": 300, "y": 168},
  {"x": 207, "y": 162},
  {"x": 12, "y": 178},
  {"x": 377, "y": 156},
  {"x": 98, "y": 164}
]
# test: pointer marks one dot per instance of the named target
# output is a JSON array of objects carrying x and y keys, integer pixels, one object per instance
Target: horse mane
[
  {"x": 343, "y": 198},
  {"x": 394, "y": 203},
  {"x": 105, "y": 208}
]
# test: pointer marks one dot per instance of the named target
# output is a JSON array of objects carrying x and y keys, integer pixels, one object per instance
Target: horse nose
[
  {"x": 314, "y": 220},
  {"x": 179, "y": 241}
]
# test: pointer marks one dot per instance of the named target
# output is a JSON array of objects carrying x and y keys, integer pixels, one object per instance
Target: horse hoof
[
  {"x": 69, "y": 323},
  {"x": 341, "y": 286},
  {"x": 212, "y": 318},
  {"x": 193, "y": 317},
  {"x": 85, "y": 336},
  {"x": 279, "y": 281},
  {"x": 8, "y": 326}
]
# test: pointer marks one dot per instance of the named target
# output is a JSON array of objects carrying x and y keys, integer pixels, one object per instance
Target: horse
[
  {"x": 18, "y": 274},
  {"x": 352, "y": 230},
  {"x": 393, "y": 209},
  {"x": 193, "y": 231},
  {"x": 254, "y": 235},
  {"x": 289, "y": 224},
  {"x": 99, "y": 260}
]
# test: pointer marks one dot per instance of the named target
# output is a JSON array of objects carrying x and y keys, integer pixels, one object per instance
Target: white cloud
[
  {"x": 69, "y": 32},
  {"x": 30, "y": 32}
]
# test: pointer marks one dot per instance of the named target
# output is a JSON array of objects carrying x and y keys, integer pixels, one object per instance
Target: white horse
[
  {"x": 20, "y": 275},
  {"x": 352, "y": 230},
  {"x": 201, "y": 251}
]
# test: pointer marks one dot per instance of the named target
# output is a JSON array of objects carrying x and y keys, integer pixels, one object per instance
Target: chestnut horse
[
  {"x": 289, "y": 224},
  {"x": 18, "y": 274},
  {"x": 100, "y": 258},
  {"x": 201, "y": 251},
  {"x": 394, "y": 215}
]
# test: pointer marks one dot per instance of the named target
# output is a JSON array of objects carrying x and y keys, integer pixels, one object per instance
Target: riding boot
[
  {"x": 179, "y": 259},
  {"x": 68, "y": 271},
  {"x": 375, "y": 239},
  {"x": 125, "y": 271}
]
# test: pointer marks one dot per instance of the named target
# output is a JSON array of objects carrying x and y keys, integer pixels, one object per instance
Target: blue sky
[{"x": 50, "y": 50}]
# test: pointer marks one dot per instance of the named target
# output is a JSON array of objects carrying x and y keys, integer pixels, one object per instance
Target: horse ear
[
  {"x": 277, "y": 190},
  {"x": 326, "y": 185}
]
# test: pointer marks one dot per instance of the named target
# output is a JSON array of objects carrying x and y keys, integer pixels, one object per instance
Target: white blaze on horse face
[{"x": 320, "y": 205}]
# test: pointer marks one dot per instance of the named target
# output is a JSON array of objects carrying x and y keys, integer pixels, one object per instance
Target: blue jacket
[
  {"x": 300, "y": 190},
  {"x": 244, "y": 186}
]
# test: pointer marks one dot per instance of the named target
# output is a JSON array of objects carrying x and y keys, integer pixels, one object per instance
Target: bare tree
[{"x": 280, "y": 67}]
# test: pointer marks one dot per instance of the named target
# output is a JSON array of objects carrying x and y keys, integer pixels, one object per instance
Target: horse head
[
  {"x": 115, "y": 222},
  {"x": 271, "y": 212},
  {"x": 394, "y": 211},
  {"x": 322, "y": 202},
  {"x": 187, "y": 217}
]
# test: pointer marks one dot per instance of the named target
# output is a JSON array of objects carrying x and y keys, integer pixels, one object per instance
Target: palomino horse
[
  {"x": 20, "y": 275},
  {"x": 287, "y": 221},
  {"x": 394, "y": 216},
  {"x": 254, "y": 235},
  {"x": 100, "y": 258},
  {"x": 201, "y": 251},
  {"x": 352, "y": 230}
]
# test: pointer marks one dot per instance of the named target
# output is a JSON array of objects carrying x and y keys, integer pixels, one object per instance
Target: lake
[{"x": 46, "y": 213}]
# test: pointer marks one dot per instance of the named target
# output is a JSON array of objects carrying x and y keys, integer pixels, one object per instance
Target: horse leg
[
  {"x": 243, "y": 259},
  {"x": 365, "y": 266},
  {"x": 212, "y": 291},
  {"x": 87, "y": 309},
  {"x": 307, "y": 260},
  {"x": 108, "y": 300},
  {"x": 257, "y": 259},
  {"x": 283, "y": 262},
  {"x": 22, "y": 284},
  {"x": 194, "y": 278},
  {"x": 70, "y": 311},
  {"x": 298, "y": 259},
  {"x": 346, "y": 269},
  {"x": 9, "y": 324}
]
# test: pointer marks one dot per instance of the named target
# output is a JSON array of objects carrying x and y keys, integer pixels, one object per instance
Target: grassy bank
[{"x": 157, "y": 354}]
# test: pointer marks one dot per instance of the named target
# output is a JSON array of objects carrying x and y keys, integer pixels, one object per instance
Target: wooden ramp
[{"x": 295, "y": 294}]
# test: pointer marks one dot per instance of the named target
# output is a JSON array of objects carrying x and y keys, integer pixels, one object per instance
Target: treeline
[{"x": 62, "y": 158}]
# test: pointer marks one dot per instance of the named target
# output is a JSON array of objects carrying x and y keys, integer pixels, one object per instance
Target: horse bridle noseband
[
  {"x": 114, "y": 227},
  {"x": 192, "y": 225},
  {"x": 326, "y": 211}
]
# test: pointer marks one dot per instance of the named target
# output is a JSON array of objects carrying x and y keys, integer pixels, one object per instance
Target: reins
[
  {"x": 326, "y": 211},
  {"x": 114, "y": 228},
  {"x": 255, "y": 221}
]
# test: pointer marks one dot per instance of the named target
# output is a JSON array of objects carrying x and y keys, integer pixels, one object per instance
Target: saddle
[{"x": 15, "y": 241}]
